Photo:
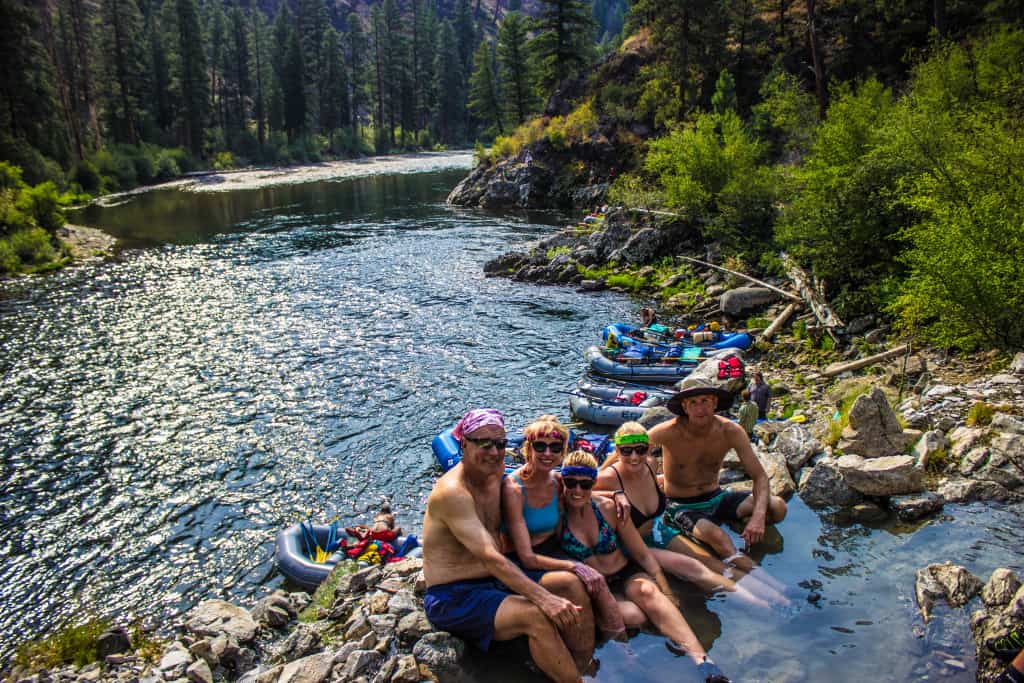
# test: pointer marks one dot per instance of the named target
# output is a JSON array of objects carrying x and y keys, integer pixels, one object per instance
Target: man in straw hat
[
  {"x": 473, "y": 590},
  {"x": 693, "y": 445}
]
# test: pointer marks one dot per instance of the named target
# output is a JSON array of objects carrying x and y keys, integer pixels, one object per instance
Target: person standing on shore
[
  {"x": 473, "y": 590},
  {"x": 761, "y": 394},
  {"x": 748, "y": 415}
]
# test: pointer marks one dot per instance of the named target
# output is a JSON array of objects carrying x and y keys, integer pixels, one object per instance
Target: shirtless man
[
  {"x": 473, "y": 590},
  {"x": 694, "y": 445}
]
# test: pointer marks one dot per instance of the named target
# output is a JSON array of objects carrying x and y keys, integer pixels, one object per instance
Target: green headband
[{"x": 630, "y": 438}]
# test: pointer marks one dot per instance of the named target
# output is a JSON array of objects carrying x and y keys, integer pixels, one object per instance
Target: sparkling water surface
[{"x": 256, "y": 355}]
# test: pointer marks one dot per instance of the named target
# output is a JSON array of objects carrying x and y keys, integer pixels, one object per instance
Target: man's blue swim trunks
[{"x": 467, "y": 608}]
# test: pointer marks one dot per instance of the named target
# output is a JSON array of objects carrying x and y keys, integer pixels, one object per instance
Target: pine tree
[
  {"x": 123, "y": 67},
  {"x": 215, "y": 20},
  {"x": 278, "y": 58},
  {"x": 564, "y": 44},
  {"x": 293, "y": 88},
  {"x": 450, "y": 83},
  {"x": 312, "y": 22},
  {"x": 357, "y": 73},
  {"x": 195, "y": 89},
  {"x": 261, "y": 71},
  {"x": 484, "y": 98},
  {"x": 161, "y": 104},
  {"x": 465, "y": 34},
  {"x": 426, "y": 56},
  {"x": 237, "y": 72},
  {"x": 514, "y": 68},
  {"x": 334, "y": 110}
]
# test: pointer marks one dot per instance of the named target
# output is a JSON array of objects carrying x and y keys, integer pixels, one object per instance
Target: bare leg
[
  {"x": 579, "y": 640},
  {"x": 685, "y": 546},
  {"x": 693, "y": 570},
  {"x": 665, "y": 616},
  {"x": 516, "y": 617},
  {"x": 631, "y": 614}
]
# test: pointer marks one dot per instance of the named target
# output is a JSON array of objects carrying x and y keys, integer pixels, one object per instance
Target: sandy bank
[
  {"x": 86, "y": 243},
  {"x": 254, "y": 179}
]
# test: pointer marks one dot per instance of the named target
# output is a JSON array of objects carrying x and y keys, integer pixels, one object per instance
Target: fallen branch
[
  {"x": 789, "y": 295},
  {"x": 828, "y": 319},
  {"x": 779, "y": 321},
  {"x": 837, "y": 368}
]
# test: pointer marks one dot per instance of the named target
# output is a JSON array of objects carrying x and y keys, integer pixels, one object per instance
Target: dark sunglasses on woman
[
  {"x": 549, "y": 446},
  {"x": 571, "y": 483},
  {"x": 639, "y": 449}
]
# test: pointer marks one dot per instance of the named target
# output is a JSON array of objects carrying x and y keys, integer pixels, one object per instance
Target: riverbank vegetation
[{"x": 29, "y": 219}]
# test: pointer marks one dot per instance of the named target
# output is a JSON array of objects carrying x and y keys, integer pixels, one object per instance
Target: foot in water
[{"x": 707, "y": 668}]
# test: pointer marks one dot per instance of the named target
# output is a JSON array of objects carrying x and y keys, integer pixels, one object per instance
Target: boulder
[
  {"x": 361, "y": 663},
  {"x": 888, "y": 476},
  {"x": 868, "y": 513},
  {"x": 440, "y": 651},
  {"x": 1017, "y": 365},
  {"x": 964, "y": 439},
  {"x": 797, "y": 445},
  {"x": 1000, "y": 588},
  {"x": 174, "y": 663},
  {"x": 780, "y": 481},
  {"x": 1002, "y": 422},
  {"x": 403, "y": 602},
  {"x": 199, "y": 672},
  {"x": 302, "y": 641},
  {"x": 969, "y": 490},
  {"x": 825, "y": 486},
  {"x": 948, "y": 582},
  {"x": 642, "y": 247},
  {"x": 914, "y": 506},
  {"x": 113, "y": 641},
  {"x": 928, "y": 446},
  {"x": 214, "y": 617},
  {"x": 313, "y": 669},
  {"x": 413, "y": 626},
  {"x": 742, "y": 300},
  {"x": 874, "y": 431}
]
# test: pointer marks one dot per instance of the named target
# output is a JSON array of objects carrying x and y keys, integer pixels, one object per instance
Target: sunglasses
[
  {"x": 639, "y": 449},
  {"x": 571, "y": 483},
  {"x": 500, "y": 444},
  {"x": 549, "y": 446}
]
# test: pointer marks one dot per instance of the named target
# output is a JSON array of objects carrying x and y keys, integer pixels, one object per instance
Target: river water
[{"x": 258, "y": 354}]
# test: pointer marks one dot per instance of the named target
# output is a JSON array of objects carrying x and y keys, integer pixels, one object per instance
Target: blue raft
[
  {"x": 448, "y": 453},
  {"x": 614, "y": 405},
  {"x": 624, "y": 335}
]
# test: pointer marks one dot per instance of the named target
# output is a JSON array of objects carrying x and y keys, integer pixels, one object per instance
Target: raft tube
[
  {"x": 292, "y": 561},
  {"x": 447, "y": 452},
  {"x": 612, "y": 405},
  {"x": 652, "y": 373},
  {"x": 628, "y": 335}
]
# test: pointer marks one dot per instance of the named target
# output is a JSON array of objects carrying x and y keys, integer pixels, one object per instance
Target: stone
[
  {"x": 779, "y": 480},
  {"x": 928, "y": 445},
  {"x": 741, "y": 300},
  {"x": 797, "y": 445},
  {"x": 312, "y": 669},
  {"x": 948, "y": 582},
  {"x": 915, "y": 506},
  {"x": 1004, "y": 379},
  {"x": 357, "y": 626},
  {"x": 974, "y": 460},
  {"x": 873, "y": 430},
  {"x": 383, "y": 624},
  {"x": 1016, "y": 606},
  {"x": 1003, "y": 422},
  {"x": 302, "y": 641},
  {"x": 199, "y": 672},
  {"x": 939, "y": 391},
  {"x": 377, "y": 603},
  {"x": 203, "y": 649},
  {"x": 403, "y": 602},
  {"x": 440, "y": 651},
  {"x": 969, "y": 490},
  {"x": 1017, "y": 365},
  {"x": 274, "y": 611},
  {"x": 407, "y": 567},
  {"x": 887, "y": 476},
  {"x": 708, "y": 370},
  {"x": 361, "y": 662},
  {"x": 174, "y": 663},
  {"x": 360, "y": 581},
  {"x": 963, "y": 439},
  {"x": 213, "y": 617},
  {"x": 270, "y": 675},
  {"x": 826, "y": 486},
  {"x": 413, "y": 626},
  {"x": 868, "y": 513},
  {"x": 1010, "y": 447},
  {"x": 406, "y": 670},
  {"x": 1000, "y": 588},
  {"x": 113, "y": 642}
]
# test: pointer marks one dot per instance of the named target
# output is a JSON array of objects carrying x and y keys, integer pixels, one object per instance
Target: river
[{"x": 257, "y": 354}]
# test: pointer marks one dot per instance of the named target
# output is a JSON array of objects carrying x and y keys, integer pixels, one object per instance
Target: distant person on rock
[
  {"x": 748, "y": 415},
  {"x": 648, "y": 317},
  {"x": 693, "y": 446},
  {"x": 473, "y": 590},
  {"x": 761, "y": 394}
]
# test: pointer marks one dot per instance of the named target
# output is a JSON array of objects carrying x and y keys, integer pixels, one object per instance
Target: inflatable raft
[
  {"x": 622, "y": 335},
  {"x": 447, "y": 452},
  {"x": 293, "y": 561},
  {"x": 614, "y": 405},
  {"x": 646, "y": 370}
]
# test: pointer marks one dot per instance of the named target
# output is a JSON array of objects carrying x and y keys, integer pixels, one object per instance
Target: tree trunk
[
  {"x": 818, "y": 59},
  {"x": 939, "y": 14}
]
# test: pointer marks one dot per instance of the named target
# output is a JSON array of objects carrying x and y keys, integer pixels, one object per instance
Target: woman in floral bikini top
[{"x": 592, "y": 534}]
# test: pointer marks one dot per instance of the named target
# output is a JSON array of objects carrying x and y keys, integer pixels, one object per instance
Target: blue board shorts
[
  {"x": 717, "y": 506},
  {"x": 467, "y": 608},
  {"x": 661, "y": 534}
]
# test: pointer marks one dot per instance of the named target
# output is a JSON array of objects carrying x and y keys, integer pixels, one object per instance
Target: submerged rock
[{"x": 915, "y": 506}]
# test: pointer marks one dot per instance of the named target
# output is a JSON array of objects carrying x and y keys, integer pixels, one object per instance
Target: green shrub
[
  {"x": 72, "y": 645},
  {"x": 223, "y": 161},
  {"x": 32, "y": 246},
  {"x": 43, "y": 203},
  {"x": 10, "y": 177},
  {"x": 88, "y": 177},
  {"x": 9, "y": 262},
  {"x": 556, "y": 251},
  {"x": 980, "y": 414},
  {"x": 166, "y": 166}
]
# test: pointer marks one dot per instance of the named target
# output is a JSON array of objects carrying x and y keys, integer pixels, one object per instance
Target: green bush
[
  {"x": 43, "y": 203},
  {"x": 223, "y": 161},
  {"x": 72, "y": 645},
  {"x": 88, "y": 177},
  {"x": 166, "y": 166},
  {"x": 980, "y": 414},
  {"x": 33, "y": 246}
]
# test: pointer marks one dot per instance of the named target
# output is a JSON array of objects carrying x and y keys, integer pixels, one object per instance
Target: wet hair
[
  {"x": 626, "y": 428},
  {"x": 580, "y": 459},
  {"x": 746, "y": 394},
  {"x": 545, "y": 425}
]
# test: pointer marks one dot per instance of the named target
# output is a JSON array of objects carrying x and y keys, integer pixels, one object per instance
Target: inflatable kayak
[
  {"x": 622, "y": 335},
  {"x": 614, "y": 405},
  {"x": 447, "y": 452},
  {"x": 293, "y": 557},
  {"x": 646, "y": 370}
]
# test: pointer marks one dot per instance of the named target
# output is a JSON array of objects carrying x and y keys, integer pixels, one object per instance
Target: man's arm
[
  {"x": 736, "y": 437},
  {"x": 456, "y": 510}
]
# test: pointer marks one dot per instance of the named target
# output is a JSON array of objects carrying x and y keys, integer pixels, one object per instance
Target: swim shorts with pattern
[{"x": 717, "y": 506}]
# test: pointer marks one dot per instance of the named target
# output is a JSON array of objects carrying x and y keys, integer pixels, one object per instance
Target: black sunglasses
[
  {"x": 639, "y": 449},
  {"x": 500, "y": 444},
  {"x": 549, "y": 446},
  {"x": 571, "y": 483}
]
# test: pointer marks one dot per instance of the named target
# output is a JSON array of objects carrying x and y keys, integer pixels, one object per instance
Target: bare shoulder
[
  {"x": 449, "y": 493},
  {"x": 606, "y": 479},
  {"x": 733, "y": 432},
  {"x": 606, "y": 506},
  {"x": 660, "y": 431}
]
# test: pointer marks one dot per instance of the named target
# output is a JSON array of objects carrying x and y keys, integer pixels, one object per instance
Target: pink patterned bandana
[{"x": 477, "y": 418}]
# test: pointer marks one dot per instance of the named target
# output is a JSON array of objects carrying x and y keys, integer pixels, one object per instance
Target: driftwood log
[
  {"x": 837, "y": 368},
  {"x": 779, "y": 321},
  {"x": 789, "y": 295},
  {"x": 814, "y": 298}
]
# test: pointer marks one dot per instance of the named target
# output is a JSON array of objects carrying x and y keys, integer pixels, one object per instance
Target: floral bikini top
[{"x": 607, "y": 540}]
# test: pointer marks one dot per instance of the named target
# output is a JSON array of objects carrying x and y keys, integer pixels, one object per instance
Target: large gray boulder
[
  {"x": 313, "y": 669},
  {"x": 797, "y": 445},
  {"x": 914, "y": 506},
  {"x": 737, "y": 302},
  {"x": 891, "y": 476},
  {"x": 214, "y": 617},
  {"x": 874, "y": 431},
  {"x": 825, "y": 486},
  {"x": 948, "y": 582},
  {"x": 968, "y": 490}
]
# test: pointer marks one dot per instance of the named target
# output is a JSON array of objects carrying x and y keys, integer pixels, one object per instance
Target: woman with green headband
[{"x": 629, "y": 472}]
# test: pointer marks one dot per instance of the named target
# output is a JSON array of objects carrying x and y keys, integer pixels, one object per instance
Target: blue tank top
[{"x": 543, "y": 519}]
